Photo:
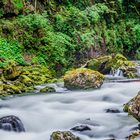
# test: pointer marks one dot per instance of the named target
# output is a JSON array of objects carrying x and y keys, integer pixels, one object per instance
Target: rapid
[{"x": 43, "y": 114}]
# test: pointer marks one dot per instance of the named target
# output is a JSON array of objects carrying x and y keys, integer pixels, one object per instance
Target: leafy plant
[{"x": 10, "y": 50}]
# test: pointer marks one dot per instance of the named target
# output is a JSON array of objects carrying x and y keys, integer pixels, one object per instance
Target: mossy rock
[
  {"x": 11, "y": 72},
  {"x": 65, "y": 135},
  {"x": 83, "y": 78},
  {"x": 9, "y": 89},
  {"x": 133, "y": 107},
  {"x": 99, "y": 64},
  {"x": 38, "y": 74},
  {"x": 106, "y": 64},
  {"x": 47, "y": 89},
  {"x": 25, "y": 80}
]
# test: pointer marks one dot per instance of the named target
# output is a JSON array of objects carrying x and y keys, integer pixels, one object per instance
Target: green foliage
[
  {"x": 10, "y": 50},
  {"x": 18, "y": 4},
  {"x": 136, "y": 30},
  {"x": 35, "y": 33},
  {"x": 70, "y": 30}
]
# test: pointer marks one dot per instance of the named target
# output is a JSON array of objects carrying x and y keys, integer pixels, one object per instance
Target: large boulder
[
  {"x": 111, "y": 63},
  {"x": 133, "y": 107},
  {"x": 83, "y": 78},
  {"x": 65, "y": 135},
  {"x": 11, "y": 123}
]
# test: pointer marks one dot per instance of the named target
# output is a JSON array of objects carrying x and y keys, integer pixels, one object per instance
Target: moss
[
  {"x": 9, "y": 89},
  {"x": 83, "y": 78},
  {"x": 25, "y": 80},
  {"x": 11, "y": 72},
  {"x": 105, "y": 64},
  {"x": 12, "y": 6},
  {"x": 47, "y": 89},
  {"x": 38, "y": 74}
]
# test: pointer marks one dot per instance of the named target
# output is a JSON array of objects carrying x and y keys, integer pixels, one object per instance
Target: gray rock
[
  {"x": 133, "y": 107},
  {"x": 11, "y": 123},
  {"x": 63, "y": 135}
]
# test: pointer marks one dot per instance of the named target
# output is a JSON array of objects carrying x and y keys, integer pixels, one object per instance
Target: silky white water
[{"x": 43, "y": 114}]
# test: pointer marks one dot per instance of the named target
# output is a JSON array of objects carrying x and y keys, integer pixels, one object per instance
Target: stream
[{"x": 42, "y": 114}]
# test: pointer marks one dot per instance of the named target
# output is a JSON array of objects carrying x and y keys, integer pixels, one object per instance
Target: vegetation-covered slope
[{"x": 63, "y": 33}]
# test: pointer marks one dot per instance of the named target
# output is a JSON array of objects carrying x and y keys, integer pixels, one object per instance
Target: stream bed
[{"x": 43, "y": 114}]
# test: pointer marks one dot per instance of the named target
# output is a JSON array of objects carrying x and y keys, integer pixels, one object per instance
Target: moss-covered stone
[
  {"x": 105, "y": 64},
  {"x": 133, "y": 107},
  {"x": 9, "y": 89},
  {"x": 38, "y": 74},
  {"x": 11, "y": 72},
  {"x": 47, "y": 89},
  {"x": 65, "y": 135},
  {"x": 83, "y": 78},
  {"x": 25, "y": 80},
  {"x": 16, "y": 80}
]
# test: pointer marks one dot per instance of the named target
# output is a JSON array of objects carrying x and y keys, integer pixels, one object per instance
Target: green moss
[
  {"x": 10, "y": 89},
  {"x": 83, "y": 78},
  {"x": 23, "y": 79},
  {"x": 105, "y": 64},
  {"x": 47, "y": 89}
]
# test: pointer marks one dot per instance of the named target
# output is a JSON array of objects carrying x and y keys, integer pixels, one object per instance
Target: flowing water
[{"x": 42, "y": 114}]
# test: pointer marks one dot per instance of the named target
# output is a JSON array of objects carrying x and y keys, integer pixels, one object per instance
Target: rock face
[
  {"x": 47, "y": 89},
  {"x": 66, "y": 135},
  {"x": 83, "y": 78},
  {"x": 133, "y": 107},
  {"x": 11, "y": 123},
  {"x": 112, "y": 63}
]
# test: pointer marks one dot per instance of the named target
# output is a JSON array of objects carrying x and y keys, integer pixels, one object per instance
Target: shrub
[{"x": 10, "y": 50}]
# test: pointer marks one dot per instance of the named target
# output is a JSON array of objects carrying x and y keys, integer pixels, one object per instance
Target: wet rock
[
  {"x": 135, "y": 135},
  {"x": 133, "y": 107},
  {"x": 47, "y": 89},
  {"x": 111, "y": 110},
  {"x": 83, "y": 78},
  {"x": 11, "y": 123},
  {"x": 81, "y": 128},
  {"x": 63, "y": 135}
]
